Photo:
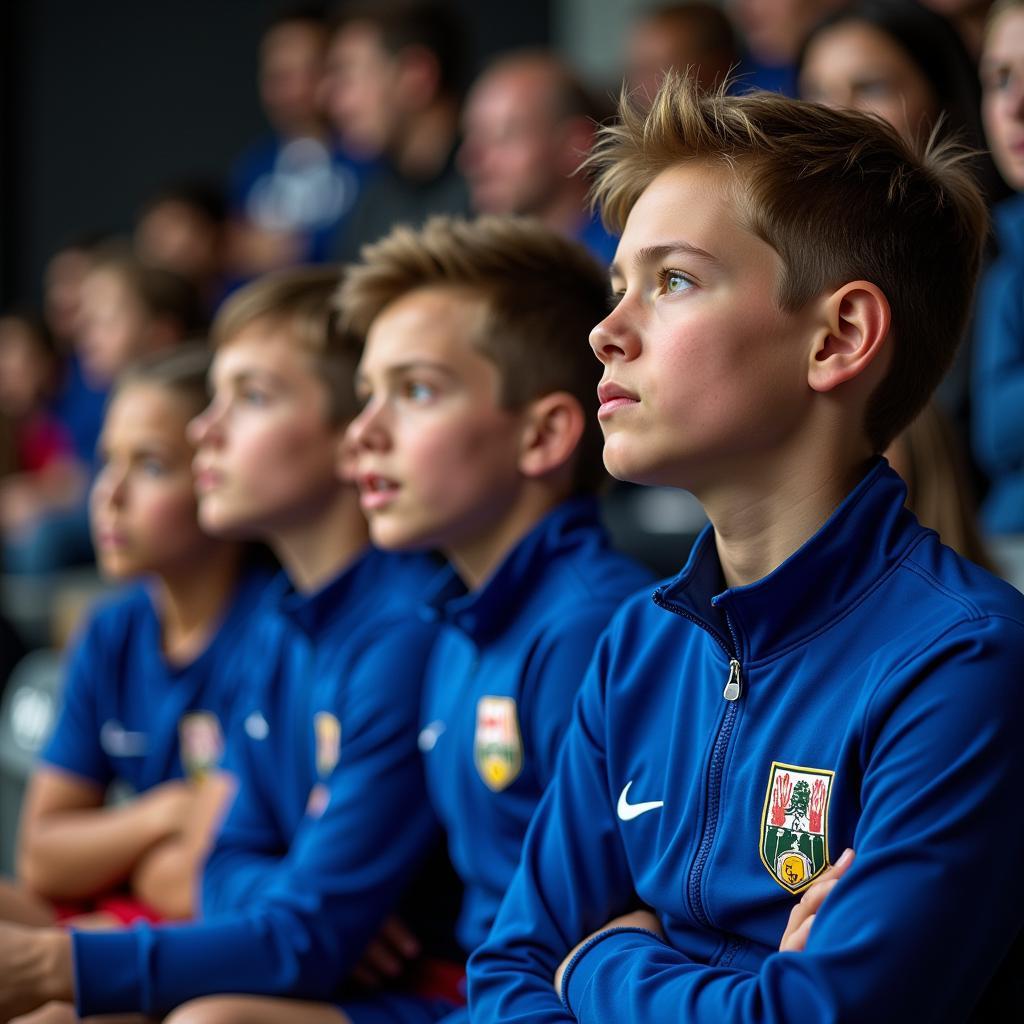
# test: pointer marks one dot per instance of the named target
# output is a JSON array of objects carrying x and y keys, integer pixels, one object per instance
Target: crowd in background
[{"x": 374, "y": 121}]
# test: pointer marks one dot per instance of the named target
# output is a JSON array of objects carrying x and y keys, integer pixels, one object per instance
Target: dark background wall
[{"x": 102, "y": 102}]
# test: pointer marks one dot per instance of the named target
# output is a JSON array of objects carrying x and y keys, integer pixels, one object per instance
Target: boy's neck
[
  {"x": 475, "y": 558},
  {"x": 763, "y": 520},
  {"x": 191, "y": 603},
  {"x": 313, "y": 552}
]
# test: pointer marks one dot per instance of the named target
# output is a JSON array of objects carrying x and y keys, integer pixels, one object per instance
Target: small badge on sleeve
[
  {"x": 498, "y": 744},
  {"x": 201, "y": 742},
  {"x": 327, "y": 729},
  {"x": 794, "y": 824}
]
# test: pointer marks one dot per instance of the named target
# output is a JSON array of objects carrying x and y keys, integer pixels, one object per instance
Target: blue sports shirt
[
  {"x": 131, "y": 717},
  {"x": 499, "y": 692},
  {"x": 309, "y": 861},
  {"x": 730, "y": 743}
]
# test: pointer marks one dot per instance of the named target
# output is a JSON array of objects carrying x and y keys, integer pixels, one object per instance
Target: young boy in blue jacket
[
  {"x": 310, "y": 861},
  {"x": 478, "y": 438},
  {"x": 823, "y": 674}
]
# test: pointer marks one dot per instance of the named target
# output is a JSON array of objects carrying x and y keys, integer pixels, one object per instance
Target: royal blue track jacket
[{"x": 730, "y": 743}]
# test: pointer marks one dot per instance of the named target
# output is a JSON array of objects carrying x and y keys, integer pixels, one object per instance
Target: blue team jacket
[
  {"x": 499, "y": 691},
  {"x": 309, "y": 861},
  {"x": 132, "y": 718},
  {"x": 729, "y": 743},
  {"x": 998, "y": 382}
]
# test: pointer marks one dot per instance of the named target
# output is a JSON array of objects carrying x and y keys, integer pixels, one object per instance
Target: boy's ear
[
  {"x": 855, "y": 334},
  {"x": 552, "y": 429}
]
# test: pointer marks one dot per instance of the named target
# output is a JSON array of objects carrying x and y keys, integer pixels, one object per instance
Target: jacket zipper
[{"x": 713, "y": 791}]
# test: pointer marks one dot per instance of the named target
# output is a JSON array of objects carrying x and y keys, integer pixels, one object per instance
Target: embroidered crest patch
[
  {"x": 497, "y": 745},
  {"x": 327, "y": 729},
  {"x": 201, "y": 743},
  {"x": 794, "y": 824}
]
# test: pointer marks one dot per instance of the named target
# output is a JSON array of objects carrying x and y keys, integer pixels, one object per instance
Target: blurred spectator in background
[
  {"x": 38, "y": 469},
  {"x": 77, "y": 404},
  {"x": 693, "y": 35},
  {"x": 290, "y": 192},
  {"x": 529, "y": 122},
  {"x": 128, "y": 309},
  {"x": 967, "y": 17},
  {"x": 906, "y": 64},
  {"x": 774, "y": 31},
  {"x": 182, "y": 228},
  {"x": 931, "y": 460},
  {"x": 394, "y": 89},
  {"x": 998, "y": 382}
]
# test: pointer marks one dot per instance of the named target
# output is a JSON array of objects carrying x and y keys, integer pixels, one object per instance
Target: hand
[
  {"x": 387, "y": 954},
  {"x": 168, "y": 808},
  {"x": 35, "y": 964},
  {"x": 634, "y": 919},
  {"x": 801, "y": 917}
]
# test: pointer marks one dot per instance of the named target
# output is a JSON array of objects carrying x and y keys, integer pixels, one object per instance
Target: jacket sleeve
[
  {"x": 573, "y": 877},
  {"x": 916, "y": 927},
  {"x": 303, "y": 928},
  {"x": 998, "y": 385}
]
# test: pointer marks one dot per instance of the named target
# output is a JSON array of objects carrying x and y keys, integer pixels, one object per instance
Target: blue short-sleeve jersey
[
  {"x": 331, "y": 820},
  {"x": 500, "y": 689},
  {"x": 130, "y": 716},
  {"x": 730, "y": 743}
]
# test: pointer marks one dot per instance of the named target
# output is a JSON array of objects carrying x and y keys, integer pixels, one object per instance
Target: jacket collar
[
  {"x": 864, "y": 539},
  {"x": 481, "y": 613}
]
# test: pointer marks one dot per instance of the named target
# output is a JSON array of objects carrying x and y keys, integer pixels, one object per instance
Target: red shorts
[{"x": 122, "y": 907}]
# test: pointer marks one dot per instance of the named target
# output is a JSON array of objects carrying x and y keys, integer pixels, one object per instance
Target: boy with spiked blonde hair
[{"x": 823, "y": 674}]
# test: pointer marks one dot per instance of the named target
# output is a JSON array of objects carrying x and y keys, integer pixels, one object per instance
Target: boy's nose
[
  {"x": 366, "y": 430},
  {"x": 200, "y": 429},
  {"x": 613, "y": 339}
]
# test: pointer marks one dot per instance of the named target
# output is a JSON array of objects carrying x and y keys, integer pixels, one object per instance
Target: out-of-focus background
[{"x": 154, "y": 156}]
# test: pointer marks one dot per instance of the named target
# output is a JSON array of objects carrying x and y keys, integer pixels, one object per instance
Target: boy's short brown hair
[
  {"x": 841, "y": 197},
  {"x": 541, "y": 295},
  {"x": 299, "y": 301}
]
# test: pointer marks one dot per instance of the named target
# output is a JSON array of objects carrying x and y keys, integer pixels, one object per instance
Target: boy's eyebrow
[
  {"x": 413, "y": 364},
  {"x": 653, "y": 253}
]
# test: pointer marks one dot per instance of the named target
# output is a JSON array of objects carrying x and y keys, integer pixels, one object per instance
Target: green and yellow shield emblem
[
  {"x": 497, "y": 745},
  {"x": 794, "y": 824}
]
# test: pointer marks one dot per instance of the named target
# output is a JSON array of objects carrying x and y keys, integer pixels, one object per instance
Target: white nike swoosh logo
[
  {"x": 628, "y": 811},
  {"x": 430, "y": 734}
]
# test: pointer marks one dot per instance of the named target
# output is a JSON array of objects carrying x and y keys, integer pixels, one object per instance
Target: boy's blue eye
[
  {"x": 152, "y": 467},
  {"x": 417, "y": 391},
  {"x": 674, "y": 282}
]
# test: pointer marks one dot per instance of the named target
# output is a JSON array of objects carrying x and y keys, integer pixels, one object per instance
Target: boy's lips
[
  {"x": 376, "y": 491},
  {"x": 207, "y": 479},
  {"x": 614, "y": 397}
]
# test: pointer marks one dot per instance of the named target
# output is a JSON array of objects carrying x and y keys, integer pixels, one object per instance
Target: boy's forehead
[
  {"x": 261, "y": 346},
  {"x": 692, "y": 203},
  {"x": 441, "y": 320}
]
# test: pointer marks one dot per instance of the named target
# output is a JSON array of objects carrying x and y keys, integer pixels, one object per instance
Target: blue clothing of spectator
[
  {"x": 131, "y": 717},
  {"x": 331, "y": 820},
  {"x": 729, "y": 743},
  {"x": 997, "y": 399}
]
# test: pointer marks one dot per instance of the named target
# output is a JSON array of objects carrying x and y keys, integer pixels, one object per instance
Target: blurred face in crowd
[
  {"x": 436, "y": 454},
  {"x": 26, "y": 369},
  {"x": 63, "y": 291},
  {"x": 143, "y": 505},
  {"x": 266, "y": 447},
  {"x": 858, "y": 66},
  {"x": 1002, "y": 80},
  {"x": 359, "y": 88},
  {"x": 775, "y": 29},
  {"x": 655, "y": 45},
  {"x": 517, "y": 153},
  {"x": 291, "y": 66},
  {"x": 114, "y": 325},
  {"x": 178, "y": 237}
]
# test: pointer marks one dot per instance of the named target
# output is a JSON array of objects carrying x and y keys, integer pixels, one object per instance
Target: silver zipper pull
[{"x": 732, "y": 687}]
